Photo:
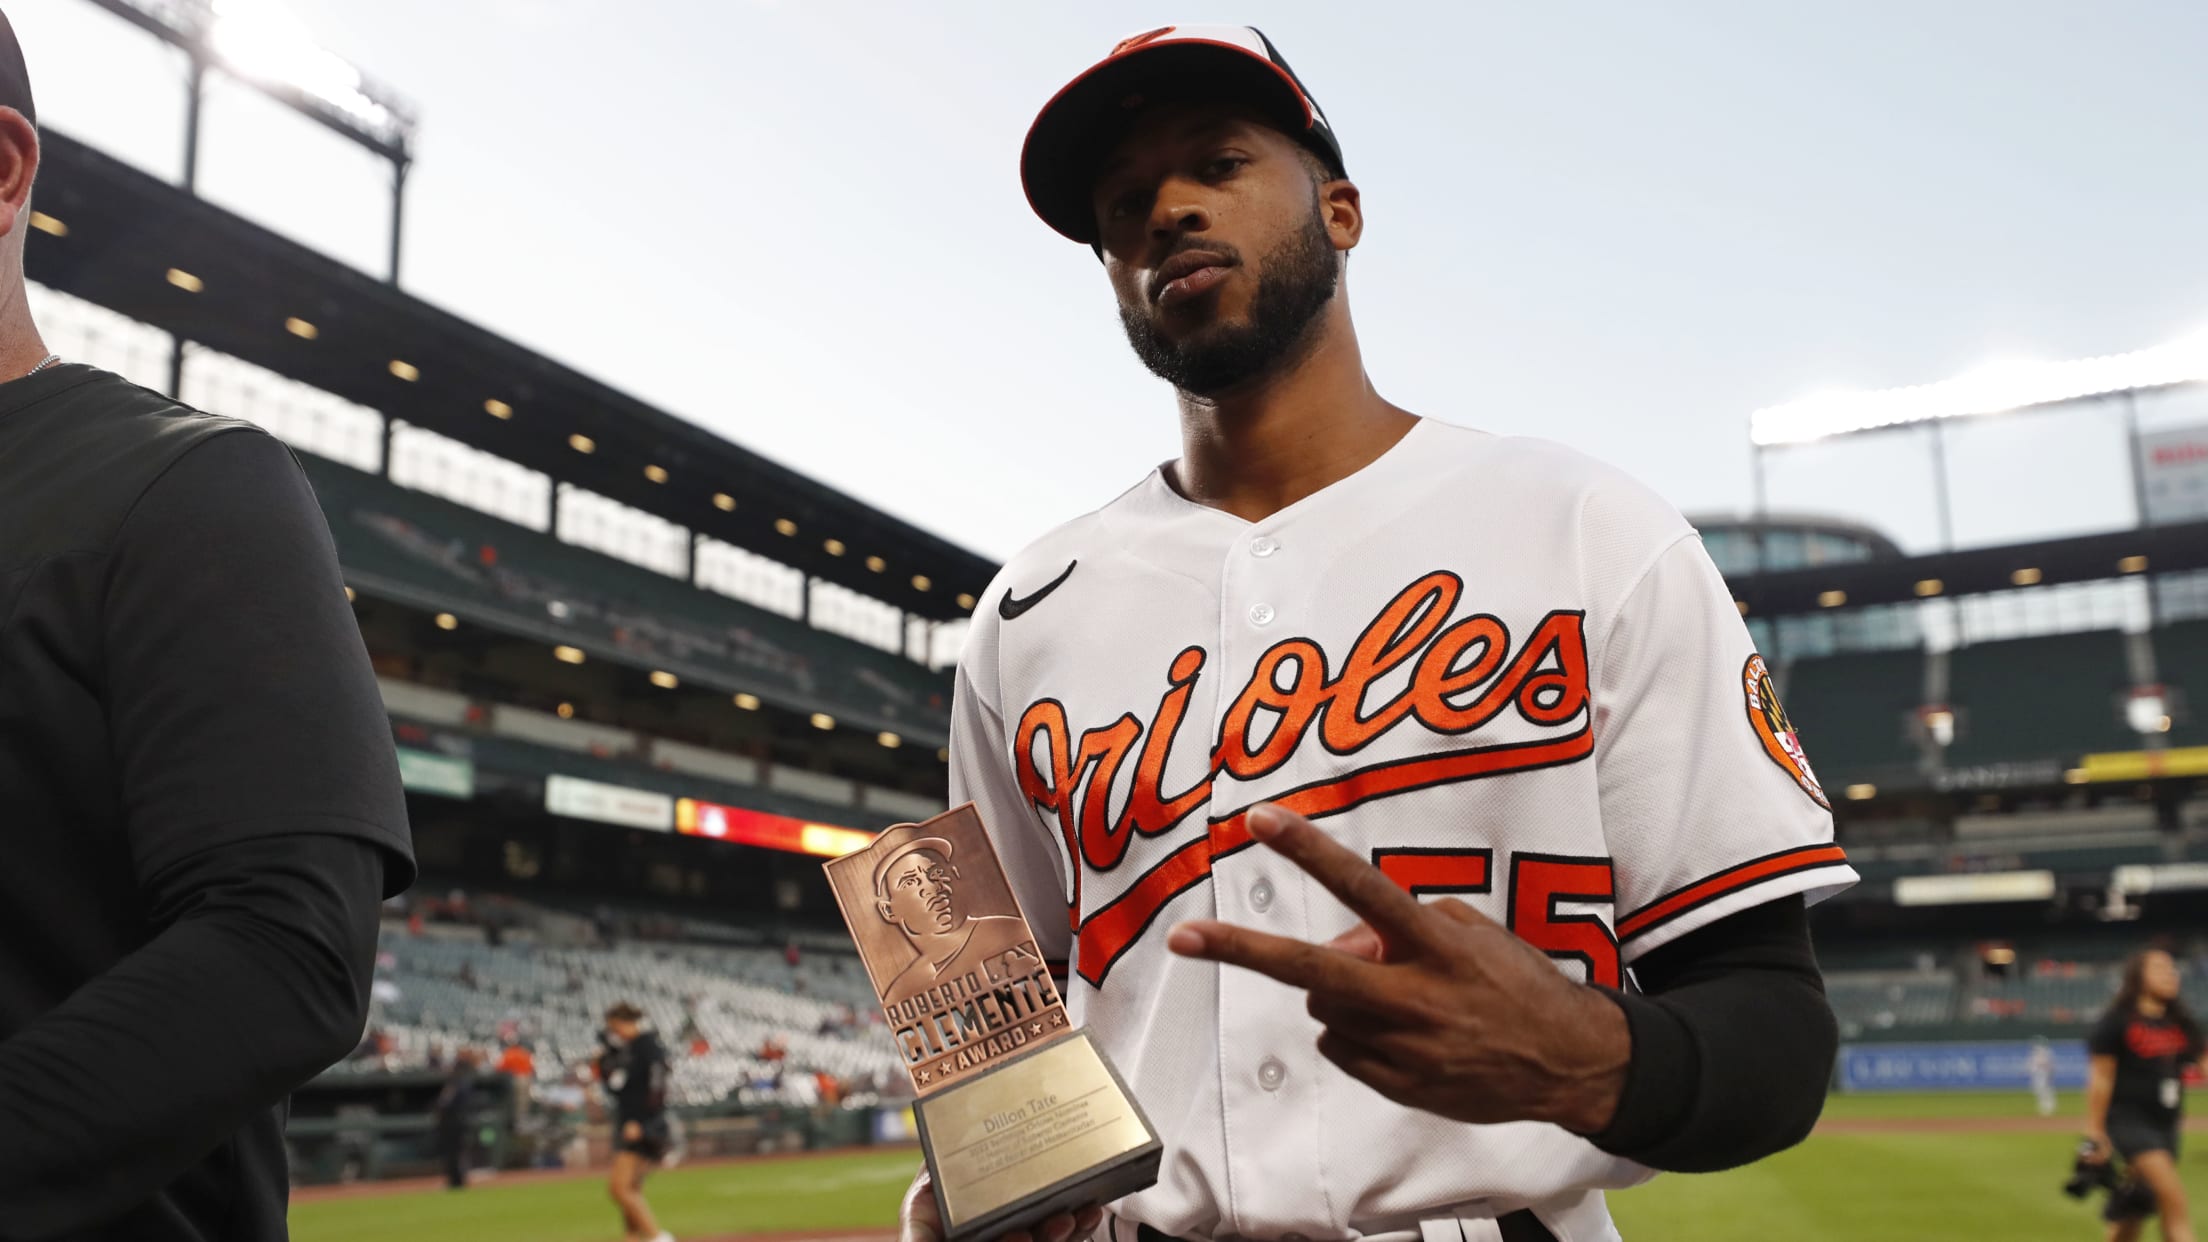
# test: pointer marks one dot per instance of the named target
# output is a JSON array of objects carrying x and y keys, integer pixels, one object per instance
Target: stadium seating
[
  {"x": 450, "y": 988},
  {"x": 2050, "y": 994},
  {"x": 1884, "y": 1000},
  {"x": 434, "y": 549},
  {"x": 1853, "y": 712},
  {"x": 2034, "y": 698},
  {"x": 2181, "y": 658}
]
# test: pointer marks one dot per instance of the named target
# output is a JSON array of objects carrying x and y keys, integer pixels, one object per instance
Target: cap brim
[{"x": 1070, "y": 135}]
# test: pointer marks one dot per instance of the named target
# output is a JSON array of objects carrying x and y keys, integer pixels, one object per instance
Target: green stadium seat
[
  {"x": 1853, "y": 712},
  {"x": 2181, "y": 658},
  {"x": 2054, "y": 697},
  {"x": 430, "y": 548}
]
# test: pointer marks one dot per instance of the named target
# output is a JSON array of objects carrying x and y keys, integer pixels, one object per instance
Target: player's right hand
[
  {"x": 918, "y": 1219},
  {"x": 2102, "y": 1148}
]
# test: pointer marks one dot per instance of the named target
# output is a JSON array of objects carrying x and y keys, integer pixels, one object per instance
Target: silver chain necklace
[{"x": 43, "y": 363}]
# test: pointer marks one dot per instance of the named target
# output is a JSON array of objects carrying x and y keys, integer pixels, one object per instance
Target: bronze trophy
[{"x": 1020, "y": 1115}]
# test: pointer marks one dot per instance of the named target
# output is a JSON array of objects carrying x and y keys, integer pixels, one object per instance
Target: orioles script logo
[{"x": 1463, "y": 674}]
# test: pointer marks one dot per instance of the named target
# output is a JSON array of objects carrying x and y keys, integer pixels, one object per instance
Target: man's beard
[{"x": 1296, "y": 283}]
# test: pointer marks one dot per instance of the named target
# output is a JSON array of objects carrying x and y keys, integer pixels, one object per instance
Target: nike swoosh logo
[{"x": 1011, "y": 609}]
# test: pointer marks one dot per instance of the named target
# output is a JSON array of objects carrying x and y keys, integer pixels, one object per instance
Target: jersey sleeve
[
  {"x": 241, "y": 704},
  {"x": 982, "y": 773},
  {"x": 2107, "y": 1038},
  {"x": 1708, "y": 804}
]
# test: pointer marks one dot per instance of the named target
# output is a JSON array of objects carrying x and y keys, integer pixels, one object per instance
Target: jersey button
[
  {"x": 1271, "y": 1073},
  {"x": 1261, "y": 614},
  {"x": 1261, "y": 899},
  {"x": 1266, "y": 545}
]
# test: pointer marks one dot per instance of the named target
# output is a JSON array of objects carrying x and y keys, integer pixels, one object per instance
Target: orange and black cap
[{"x": 1074, "y": 130}]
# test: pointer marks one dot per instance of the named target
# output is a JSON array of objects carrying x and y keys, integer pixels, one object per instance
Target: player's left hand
[
  {"x": 1432, "y": 1004},
  {"x": 632, "y": 1131}
]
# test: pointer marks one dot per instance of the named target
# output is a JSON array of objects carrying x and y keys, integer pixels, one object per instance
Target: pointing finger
[
  {"x": 1297, "y": 963},
  {"x": 1393, "y": 913}
]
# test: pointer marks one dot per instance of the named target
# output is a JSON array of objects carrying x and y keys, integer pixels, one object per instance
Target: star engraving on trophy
[
  {"x": 923, "y": 1076},
  {"x": 944, "y": 1068},
  {"x": 1036, "y": 1029},
  {"x": 1057, "y": 1017}
]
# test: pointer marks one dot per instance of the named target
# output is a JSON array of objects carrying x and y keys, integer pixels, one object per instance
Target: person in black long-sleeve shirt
[
  {"x": 199, "y": 795},
  {"x": 633, "y": 1070}
]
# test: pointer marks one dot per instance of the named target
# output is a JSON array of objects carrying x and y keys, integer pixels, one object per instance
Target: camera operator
[{"x": 2134, "y": 1097}]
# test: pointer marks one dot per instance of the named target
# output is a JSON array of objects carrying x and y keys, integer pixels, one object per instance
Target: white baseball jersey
[{"x": 1499, "y": 669}]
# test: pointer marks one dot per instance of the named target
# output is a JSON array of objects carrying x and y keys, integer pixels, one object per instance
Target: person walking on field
[
  {"x": 633, "y": 1069},
  {"x": 2135, "y": 1092}
]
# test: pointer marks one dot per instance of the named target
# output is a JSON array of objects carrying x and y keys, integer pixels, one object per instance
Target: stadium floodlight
[
  {"x": 1994, "y": 389},
  {"x": 262, "y": 45}
]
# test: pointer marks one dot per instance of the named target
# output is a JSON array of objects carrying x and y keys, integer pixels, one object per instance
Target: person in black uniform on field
[
  {"x": 633, "y": 1069},
  {"x": 455, "y": 1117},
  {"x": 199, "y": 797},
  {"x": 2134, "y": 1097}
]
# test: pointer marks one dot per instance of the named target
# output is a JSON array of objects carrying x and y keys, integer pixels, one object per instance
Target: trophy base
[{"x": 1048, "y": 1131}]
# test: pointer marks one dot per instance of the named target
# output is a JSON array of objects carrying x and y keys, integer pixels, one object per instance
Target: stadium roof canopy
[
  {"x": 377, "y": 346},
  {"x": 1870, "y": 537},
  {"x": 1975, "y": 571}
]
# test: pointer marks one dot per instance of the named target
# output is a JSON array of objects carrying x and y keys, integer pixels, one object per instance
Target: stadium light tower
[
  {"x": 261, "y": 45},
  {"x": 1999, "y": 388}
]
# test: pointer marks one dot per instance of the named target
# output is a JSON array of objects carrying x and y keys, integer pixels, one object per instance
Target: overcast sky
[{"x": 1622, "y": 226}]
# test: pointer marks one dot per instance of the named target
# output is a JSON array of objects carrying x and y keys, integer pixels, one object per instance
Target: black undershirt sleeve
[
  {"x": 257, "y": 981},
  {"x": 1743, "y": 994}
]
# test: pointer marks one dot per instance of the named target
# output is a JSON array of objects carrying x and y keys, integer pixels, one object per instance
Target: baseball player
[{"x": 1351, "y": 758}]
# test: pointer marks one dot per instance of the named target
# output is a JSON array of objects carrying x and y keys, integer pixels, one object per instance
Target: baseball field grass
[{"x": 1978, "y": 1167}]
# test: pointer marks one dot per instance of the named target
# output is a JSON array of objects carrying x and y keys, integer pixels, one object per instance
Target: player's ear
[
  {"x": 882, "y": 908},
  {"x": 1342, "y": 207},
  {"x": 18, "y": 165}
]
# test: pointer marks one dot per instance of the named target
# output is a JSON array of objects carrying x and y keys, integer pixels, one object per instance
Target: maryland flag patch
[{"x": 1775, "y": 731}]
